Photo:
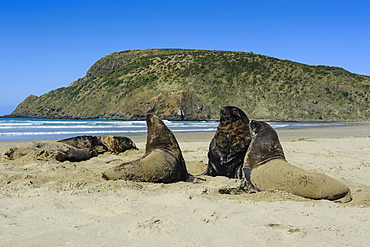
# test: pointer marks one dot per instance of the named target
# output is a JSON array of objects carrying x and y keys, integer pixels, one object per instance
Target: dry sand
[{"x": 49, "y": 203}]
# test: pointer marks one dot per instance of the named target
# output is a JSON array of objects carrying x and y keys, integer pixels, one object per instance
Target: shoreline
[
  {"x": 353, "y": 129},
  {"x": 206, "y": 120},
  {"x": 201, "y": 120}
]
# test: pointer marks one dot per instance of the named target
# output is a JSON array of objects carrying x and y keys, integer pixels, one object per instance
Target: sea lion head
[
  {"x": 257, "y": 126},
  {"x": 159, "y": 135},
  {"x": 117, "y": 144},
  {"x": 229, "y": 114},
  {"x": 265, "y": 145},
  {"x": 124, "y": 143}
]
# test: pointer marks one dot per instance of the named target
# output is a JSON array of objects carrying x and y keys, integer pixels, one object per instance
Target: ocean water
[{"x": 20, "y": 129}]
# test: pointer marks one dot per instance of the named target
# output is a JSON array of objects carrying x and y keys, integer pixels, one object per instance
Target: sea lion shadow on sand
[
  {"x": 268, "y": 169},
  {"x": 162, "y": 162}
]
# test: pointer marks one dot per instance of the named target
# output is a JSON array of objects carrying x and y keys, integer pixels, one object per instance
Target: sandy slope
[{"x": 48, "y": 203}]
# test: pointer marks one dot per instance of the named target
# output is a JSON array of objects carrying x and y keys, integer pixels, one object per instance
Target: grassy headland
[{"x": 194, "y": 84}]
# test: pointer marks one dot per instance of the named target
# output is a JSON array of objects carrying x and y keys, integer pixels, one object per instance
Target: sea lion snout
[
  {"x": 226, "y": 119},
  {"x": 253, "y": 125}
]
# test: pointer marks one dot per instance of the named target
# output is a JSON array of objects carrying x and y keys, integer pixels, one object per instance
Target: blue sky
[{"x": 48, "y": 44}]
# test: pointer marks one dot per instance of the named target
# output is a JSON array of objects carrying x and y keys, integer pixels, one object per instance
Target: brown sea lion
[
  {"x": 47, "y": 150},
  {"x": 162, "y": 162},
  {"x": 229, "y": 144},
  {"x": 270, "y": 170},
  {"x": 117, "y": 144},
  {"x": 101, "y": 144}
]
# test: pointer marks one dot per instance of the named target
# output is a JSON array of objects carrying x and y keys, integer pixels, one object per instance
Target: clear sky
[{"x": 47, "y": 44}]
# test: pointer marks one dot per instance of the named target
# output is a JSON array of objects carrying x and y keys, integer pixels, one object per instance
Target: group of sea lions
[
  {"x": 101, "y": 144},
  {"x": 254, "y": 148},
  {"x": 240, "y": 149},
  {"x": 73, "y": 149}
]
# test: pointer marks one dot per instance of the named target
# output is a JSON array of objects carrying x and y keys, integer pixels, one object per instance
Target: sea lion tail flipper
[
  {"x": 202, "y": 174},
  {"x": 194, "y": 178}
]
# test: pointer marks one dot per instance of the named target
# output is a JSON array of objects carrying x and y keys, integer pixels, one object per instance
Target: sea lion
[
  {"x": 101, "y": 144},
  {"x": 270, "y": 170},
  {"x": 162, "y": 162},
  {"x": 265, "y": 145},
  {"x": 86, "y": 142},
  {"x": 229, "y": 144},
  {"x": 47, "y": 150},
  {"x": 76, "y": 154},
  {"x": 117, "y": 144}
]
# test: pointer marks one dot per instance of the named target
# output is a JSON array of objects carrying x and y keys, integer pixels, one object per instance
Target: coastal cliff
[{"x": 178, "y": 84}]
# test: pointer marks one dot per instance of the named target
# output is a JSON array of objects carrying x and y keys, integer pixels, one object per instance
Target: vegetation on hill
[{"x": 194, "y": 84}]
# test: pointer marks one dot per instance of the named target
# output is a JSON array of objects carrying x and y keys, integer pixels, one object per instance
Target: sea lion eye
[{"x": 236, "y": 112}]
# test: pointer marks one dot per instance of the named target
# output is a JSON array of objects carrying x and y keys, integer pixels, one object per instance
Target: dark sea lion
[
  {"x": 76, "y": 154},
  {"x": 265, "y": 145},
  {"x": 229, "y": 144},
  {"x": 162, "y": 162},
  {"x": 86, "y": 142},
  {"x": 101, "y": 144},
  {"x": 270, "y": 170}
]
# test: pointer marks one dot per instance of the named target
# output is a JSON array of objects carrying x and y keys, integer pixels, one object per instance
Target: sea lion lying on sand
[
  {"x": 76, "y": 154},
  {"x": 86, "y": 142},
  {"x": 117, "y": 144},
  {"x": 229, "y": 144},
  {"x": 101, "y": 144},
  {"x": 162, "y": 162},
  {"x": 49, "y": 150},
  {"x": 270, "y": 170}
]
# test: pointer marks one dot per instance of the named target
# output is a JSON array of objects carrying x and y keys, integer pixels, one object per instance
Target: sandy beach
[{"x": 50, "y": 203}]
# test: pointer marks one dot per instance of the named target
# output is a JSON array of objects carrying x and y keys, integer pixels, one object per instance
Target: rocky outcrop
[{"x": 177, "y": 105}]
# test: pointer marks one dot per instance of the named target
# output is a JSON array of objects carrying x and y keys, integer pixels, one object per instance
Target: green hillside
[{"x": 194, "y": 84}]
